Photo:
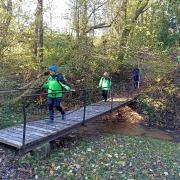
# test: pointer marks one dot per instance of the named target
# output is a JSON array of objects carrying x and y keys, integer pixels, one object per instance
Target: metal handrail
[
  {"x": 82, "y": 96},
  {"x": 82, "y": 99}
]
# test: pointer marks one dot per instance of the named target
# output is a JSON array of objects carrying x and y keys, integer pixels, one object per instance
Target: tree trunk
[
  {"x": 84, "y": 19},
  {"x": 7, "y": 7},
  {"x": 126, "y": 32},
  {"x": 77, "y": 18},
  {"x": 94, "y": 23},
  {"x": 8, "y": 10},
  {"x": 41, "y": 32},
  {"x": 36, "y": 34}
]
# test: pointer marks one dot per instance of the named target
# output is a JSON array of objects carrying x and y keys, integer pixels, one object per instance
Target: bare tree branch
[
  {"x": 98, "y": 26},
  {"x": 139, "y": 11},
  {"x": 7, "y": 7},
  {"x": 145, "y": 9},
  {"x": 95, "y": 9},
  {"x": 102, "y": 25}
]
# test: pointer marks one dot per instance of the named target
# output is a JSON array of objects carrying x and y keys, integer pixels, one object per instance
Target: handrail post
[
  {"x": 24, "y": 121},
  {"x": 85, "y": 104},
  {"x": 112, "y": 99}
]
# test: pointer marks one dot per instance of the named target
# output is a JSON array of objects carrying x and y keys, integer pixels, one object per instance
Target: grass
[
  {"x": 9, "y": 117},
  {"x": 110, "y": 157}
]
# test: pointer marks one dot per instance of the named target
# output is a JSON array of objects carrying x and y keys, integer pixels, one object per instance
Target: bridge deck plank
[{"x": 40, "y": 130}]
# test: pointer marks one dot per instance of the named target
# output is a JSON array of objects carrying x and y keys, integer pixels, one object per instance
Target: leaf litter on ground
[{"x": 113, "y": 156}]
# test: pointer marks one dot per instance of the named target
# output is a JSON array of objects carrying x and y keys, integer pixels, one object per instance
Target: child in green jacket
[
  {"x": 55, "y": 86},
  {"x": 105, "y": 85}
]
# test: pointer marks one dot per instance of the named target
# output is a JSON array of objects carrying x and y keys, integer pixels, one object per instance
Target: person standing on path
[
  {"x": 105, "y": 85},
  {"x": 136, "y": 77}
]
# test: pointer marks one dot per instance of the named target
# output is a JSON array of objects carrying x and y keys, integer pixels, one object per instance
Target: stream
[{"x": 126, "y": 122}]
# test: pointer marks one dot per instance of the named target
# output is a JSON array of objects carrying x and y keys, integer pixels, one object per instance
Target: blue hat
[{"x": 53, "y": 68}]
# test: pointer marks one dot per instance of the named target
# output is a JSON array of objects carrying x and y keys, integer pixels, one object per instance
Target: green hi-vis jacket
[
  {"x": 55, "y": 86},
  {"x": 105, "y": 83},
  {"x": 178, "y": 58}
]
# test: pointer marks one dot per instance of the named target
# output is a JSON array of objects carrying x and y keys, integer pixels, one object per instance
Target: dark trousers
[
  {"x": 105, "y": 94},
  {"x": 136, "y": 81},
  {"x": 54, "y": 102},
  {"x": 136, "y": 84}
]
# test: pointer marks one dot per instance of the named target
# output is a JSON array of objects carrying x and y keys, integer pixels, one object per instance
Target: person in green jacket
[
  {"x": 178, "y": 56},
  {"x": 55, "y": 85},
  {"x": 105, "y": 85},
  {"x": 178, "y": 59}
]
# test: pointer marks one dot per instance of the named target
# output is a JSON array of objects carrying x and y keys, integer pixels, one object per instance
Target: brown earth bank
[{"x": 158, "y": 104}]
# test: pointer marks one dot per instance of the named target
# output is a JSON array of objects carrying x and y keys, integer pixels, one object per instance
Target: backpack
[
  {"x": 60, "y": 79},
  {"x": 64, "y": 86}
]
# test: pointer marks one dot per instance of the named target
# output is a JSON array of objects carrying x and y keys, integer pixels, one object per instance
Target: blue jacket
[{"x": 136, "y": 72}]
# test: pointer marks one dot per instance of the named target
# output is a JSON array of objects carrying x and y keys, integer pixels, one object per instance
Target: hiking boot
[{"x": 50, "y": 122}]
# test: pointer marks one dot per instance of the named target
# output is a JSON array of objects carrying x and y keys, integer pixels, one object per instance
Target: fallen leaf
[
  {"x": 58, "y": 167},
  {"x": 109, "y": 155},
  {"x": 89, "y": 149},
  {"x": 53, "y": 165},
  {"x": 51, "y": 172}
]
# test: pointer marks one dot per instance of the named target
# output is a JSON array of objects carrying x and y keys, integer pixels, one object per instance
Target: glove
[{"x": 46, "y": 73}]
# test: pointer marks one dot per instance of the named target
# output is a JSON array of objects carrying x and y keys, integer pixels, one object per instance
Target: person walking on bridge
[
  {"x": 105, "y": 85},
  {"x": 55, "y": 85}
]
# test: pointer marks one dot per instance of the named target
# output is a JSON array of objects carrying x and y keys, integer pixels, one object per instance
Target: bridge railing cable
[
  {"x": 10, "y": 108},
  {"x": 35, "y": 106}
]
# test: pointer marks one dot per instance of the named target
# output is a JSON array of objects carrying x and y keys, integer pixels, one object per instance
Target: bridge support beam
[{"x": 41, "y": 151}]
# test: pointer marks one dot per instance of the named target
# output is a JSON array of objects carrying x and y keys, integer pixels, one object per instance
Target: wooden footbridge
[{"x": 28, "y": 135}]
